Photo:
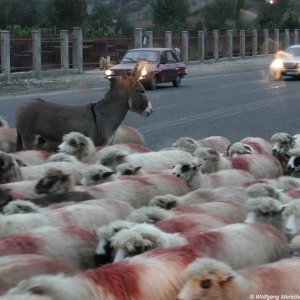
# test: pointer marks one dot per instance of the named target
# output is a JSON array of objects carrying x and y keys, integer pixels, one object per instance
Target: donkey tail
[{"x": 19, "y": 145}]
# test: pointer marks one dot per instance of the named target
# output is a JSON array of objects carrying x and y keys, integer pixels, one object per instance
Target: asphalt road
[{"x": 232, "y": 105}]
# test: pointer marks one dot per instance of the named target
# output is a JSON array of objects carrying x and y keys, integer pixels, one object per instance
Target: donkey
[{"x": 48, "y": 121}]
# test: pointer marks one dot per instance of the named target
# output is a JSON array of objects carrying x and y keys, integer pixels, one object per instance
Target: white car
[{"x": 286, "y": 63}]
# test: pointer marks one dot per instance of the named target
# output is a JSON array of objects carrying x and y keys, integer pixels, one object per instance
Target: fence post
[
  {"x": 286, "y": 38},
  {"x": 148, "y": 39},
  {"x": 216, "y": 44},
  {"x": 77, "y": 49},
  {"x": 254, "y": 42},
  {"x": 185, "y": 46},
  {"x": 64, "y": 50},
  {"x": 5, "y": 54},
  {"x": 266, "y": 41},
  {"x": 201, "y": 46},
  {"x": 168, "y": 39},
  {"x": 242, "y": 43},
  {"x": 36, "y": 53},
  {"x": 138, "y": 37},
  {"x": 229, "y": 44},
  {"x": 296, "y": 36},
  {"x": 277, "y": 45}
]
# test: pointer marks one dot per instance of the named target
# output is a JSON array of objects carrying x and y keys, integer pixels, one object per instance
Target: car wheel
[
  {"x": 177, "y": 81},
  {"x": 153, "y": 83}
]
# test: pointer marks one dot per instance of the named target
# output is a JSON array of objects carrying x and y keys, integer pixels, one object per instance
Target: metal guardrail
[{"x": 36, "y": 54}]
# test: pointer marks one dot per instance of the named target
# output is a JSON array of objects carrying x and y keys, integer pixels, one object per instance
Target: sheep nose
[
  {"x": 289, "y": 169},
  {"x": 274, "y": 151}
]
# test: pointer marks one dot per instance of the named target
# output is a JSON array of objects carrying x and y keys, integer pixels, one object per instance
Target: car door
[
  {"x": 171, "y": 65},
  {"x": 163, "y": 68}
]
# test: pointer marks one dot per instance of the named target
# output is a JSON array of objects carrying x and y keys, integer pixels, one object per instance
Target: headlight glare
[
  {"x": 277, "y": 64},
  {"x": 108, "y": 72}
]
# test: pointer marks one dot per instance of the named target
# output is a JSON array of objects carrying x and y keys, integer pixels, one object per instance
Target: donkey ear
[{"x": 137, "y": 70}]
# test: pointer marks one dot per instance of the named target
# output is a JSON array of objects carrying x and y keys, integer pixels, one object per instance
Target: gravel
[{"x": 95, "y": 78}]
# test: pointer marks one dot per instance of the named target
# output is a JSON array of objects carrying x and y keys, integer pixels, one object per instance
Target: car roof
[
  {"x": 294, "y": 46},
  {"x": 151, "y": 49}
]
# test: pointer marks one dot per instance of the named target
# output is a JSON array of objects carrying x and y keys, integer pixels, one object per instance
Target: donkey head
[{"x": 137, "y": 100}]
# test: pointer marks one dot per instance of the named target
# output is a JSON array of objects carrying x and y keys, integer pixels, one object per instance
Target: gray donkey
[{"x": 48, "y": 121}]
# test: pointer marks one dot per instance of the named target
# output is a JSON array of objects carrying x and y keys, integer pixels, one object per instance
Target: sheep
[
  {"x": 128, "y": 135},
  {"x": 291, "y": 217},
  {"x": 61, "y": 156},
  {"x": 219, "y": 143},
  {"x": 129, "y": 169},
  {"x": 211, "y": 279},
  {"x": 250, "y": 145},
  {"x": 231, "y": 243},
  {"x": 232, "y": 211},
  {"x": 148, "y": 214},
  {"x": 157, "y": 275},
  {"x": 201, "y": 195},
  {"x": 151, "y": 162},
  {"x": 5, "y": 198},
  {"x": 10, "y": 170},
  {"x": 14, "y": 268},
  {"x": 292, "y": 167},
  {"x": 24, "y": 189},
  {"x": 282, "y": 142},
  {"x": 258, "y": 165},
  {"x": 96, "y": 174},
  {"x": 189, "y": 172},
  {"x": 31, "y": 157},
  {"x": 21, "y": 206},
  {"x": 104, "y": 253},
  {"x": 89, "y": 215},
  {"x": 8, "y": 139},
  {"x": 138, "y": 190},
  {"x": 79, "y": 145},
  {"x": 25, "y": 297},
  {"x": 266, "y": 210},
  {"x": 191, "y": 222},
  {"x": 261, "y": 189},
  {"x": 71, "y": 244}
]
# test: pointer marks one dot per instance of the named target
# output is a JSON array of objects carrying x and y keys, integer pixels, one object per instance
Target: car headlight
[
  {"x": 144, "y": 72},
  {"x": 277, "y": 64},
  {"x": 108, "y": 72}
]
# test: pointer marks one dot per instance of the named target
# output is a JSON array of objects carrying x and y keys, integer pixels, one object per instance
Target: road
[{"x": 232, "y": 105}]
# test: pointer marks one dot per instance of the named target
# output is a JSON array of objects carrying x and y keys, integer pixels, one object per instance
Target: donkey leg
[{"x": 29, "y": 142}]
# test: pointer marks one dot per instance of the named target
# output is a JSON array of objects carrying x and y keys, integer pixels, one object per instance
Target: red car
[{"x": 162, "y": 65}]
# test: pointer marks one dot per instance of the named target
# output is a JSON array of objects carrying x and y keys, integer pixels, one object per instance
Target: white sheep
[
  {"x": 31, "y": 157},
  {"x": 258, "y": 165},
  {"x": 219, "y": 143},
  {"x": 291, "y": 218},
  {"x": 79, "y": 145},
  {"x": 24, "y": 189},
  {"x": 129, "y": 169},
  {"x": 261, "y": 189},
  {"x": 14, "y": 268},
  {"x": 211, "y": 279},
  {"x": 190, "y": 172},
  {"x": 25, "y": 297},
  {"x": 265, "y": 210},
  {"x": 250, "y": 145},
  {"x": 8, "y": 139},
  {"x": 155, "y": 275},
  {"x": 96, "y": 174},
  {"x": 201, "y": 195},
  {"x": 71, "y": 244},
  {"x": 138, "y": 190},
  {"x": 128, "y": 135},
  {"x": 293, "y": 164},
  {"x": 61, "y": 156},
  {"x": 231, "y": 243},
  {"x": 89, "y": 215},
  {"x": 10, "y": 171},
  {"x": 151, "y": 162},
  {"x": 282, "y": 142},
  {"x": 191, "y": 222}
]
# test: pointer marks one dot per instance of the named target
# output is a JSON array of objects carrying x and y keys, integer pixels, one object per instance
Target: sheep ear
[
  {"x": 227, "y": 150},
  {"x": 37, "y": 290},
  {"x": 248, "y": 149},
  {"x": 215, "y": 154},
  {"x": 137, "y": 168},
  {"x": 226, "y": 278},
  {"x": 282, "y": 207}
]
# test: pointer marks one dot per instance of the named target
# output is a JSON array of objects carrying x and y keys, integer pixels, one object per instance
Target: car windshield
[
  {"x": 294, "y": 51},
  {"x": 140, "y": 55}
]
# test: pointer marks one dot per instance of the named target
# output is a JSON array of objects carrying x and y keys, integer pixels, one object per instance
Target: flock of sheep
[{"x": 204, "y": 219}]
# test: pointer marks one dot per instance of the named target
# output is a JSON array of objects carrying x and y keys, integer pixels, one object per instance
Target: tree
[
  {"x": 70, "y": 13},
  {"x": 169, "y": 15}
]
